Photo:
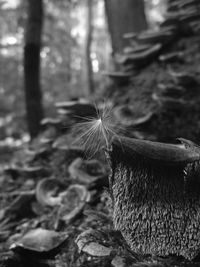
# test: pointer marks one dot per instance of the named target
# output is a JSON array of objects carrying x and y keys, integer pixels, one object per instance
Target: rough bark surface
[{"x": 156, "y": 207}]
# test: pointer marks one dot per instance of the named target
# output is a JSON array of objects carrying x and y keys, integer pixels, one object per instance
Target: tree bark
[
  {"x": 33, "y": 94},
  {"x": 89, "y": 70},
  {"x": 155, "y": 192},
  {"x": 123, "y": 17}
]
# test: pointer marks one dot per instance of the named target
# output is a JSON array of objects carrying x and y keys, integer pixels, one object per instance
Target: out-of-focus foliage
[
  {"x": 155, "y": 10},
  {"x": 63, "y": 51},
  {"x": 11, "y": 47},
  {"x": 62, "y": 54}
]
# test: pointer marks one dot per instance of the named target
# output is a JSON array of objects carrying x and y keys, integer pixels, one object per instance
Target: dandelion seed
[{"x": 96, "y": 133}]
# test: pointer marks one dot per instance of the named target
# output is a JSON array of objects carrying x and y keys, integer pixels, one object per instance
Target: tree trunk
[
  {"x": 89, "y": 70},
  {"x": 33, "y": 94},
  {"x": 156, "y": 202},
  {"x": 123, "y": 17}
]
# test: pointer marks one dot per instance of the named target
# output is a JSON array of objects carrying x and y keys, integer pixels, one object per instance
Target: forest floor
[{"x": 51, "y": 185}]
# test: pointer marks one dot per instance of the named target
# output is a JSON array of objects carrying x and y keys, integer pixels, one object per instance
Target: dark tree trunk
[
  {"x": 33, "y": 94},
  {"x": 89, "y": 70},
  {"x": 123, "y": 17}
]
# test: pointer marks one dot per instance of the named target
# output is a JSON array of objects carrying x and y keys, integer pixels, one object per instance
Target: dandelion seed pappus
[{"x": 96, "y": 133}]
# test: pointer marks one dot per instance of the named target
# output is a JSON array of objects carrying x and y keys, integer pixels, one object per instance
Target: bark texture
[
  {"x": 123, "y": 17},
  {"x": 156, "y": 206},
  {"x": 33, "y": 95}
]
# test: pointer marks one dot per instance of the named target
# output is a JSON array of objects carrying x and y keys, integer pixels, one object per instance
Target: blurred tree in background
[
  {"x": 88, "y": 44},
  {"x": 33, "y": 94},
  {"x": 71, "y": 40},
  {"x": 124, "y": 17}
]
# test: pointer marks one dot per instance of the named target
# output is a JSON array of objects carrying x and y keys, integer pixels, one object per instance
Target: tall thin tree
[
  {"x": 88, "y": 44},
  {"x": 33, "y": 94}
]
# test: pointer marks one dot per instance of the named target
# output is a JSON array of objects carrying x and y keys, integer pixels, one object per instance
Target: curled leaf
[
  {"x": 85, "y": 242},
  {"x": 46, "y": 190},
  {"x": 39, "y": 240},
  {"x": 73, "y": 202}
]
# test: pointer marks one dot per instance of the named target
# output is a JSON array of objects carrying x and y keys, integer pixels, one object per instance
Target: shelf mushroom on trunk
[{"x": 155, "y": 192}]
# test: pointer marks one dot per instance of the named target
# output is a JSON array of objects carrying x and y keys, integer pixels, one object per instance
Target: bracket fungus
[
  {"x": 156, "y": 201},
  {"x": 77, "y": 108},
  {"x": 172, "y": 57},
  {"x": 184, "y": 79},
  {"x": 141, "y": 58},
  {"x": 171, "y": 90},
  {"x": 170, "y": 102},
  {"x": 130, "y": 35},
  {"x": 193, "y": 16},
  {"x": 163, "y": 36},
  {"x": 119, "y": 77},
  {"x": 170, "y": 21},
  {"x": 131, "y": 117},
  {"x": 195, "y": 26},
  {"x": 177, "y": 5},
  {"x": 51, "y": 122},
  {"x": 136, "y": 48}
]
